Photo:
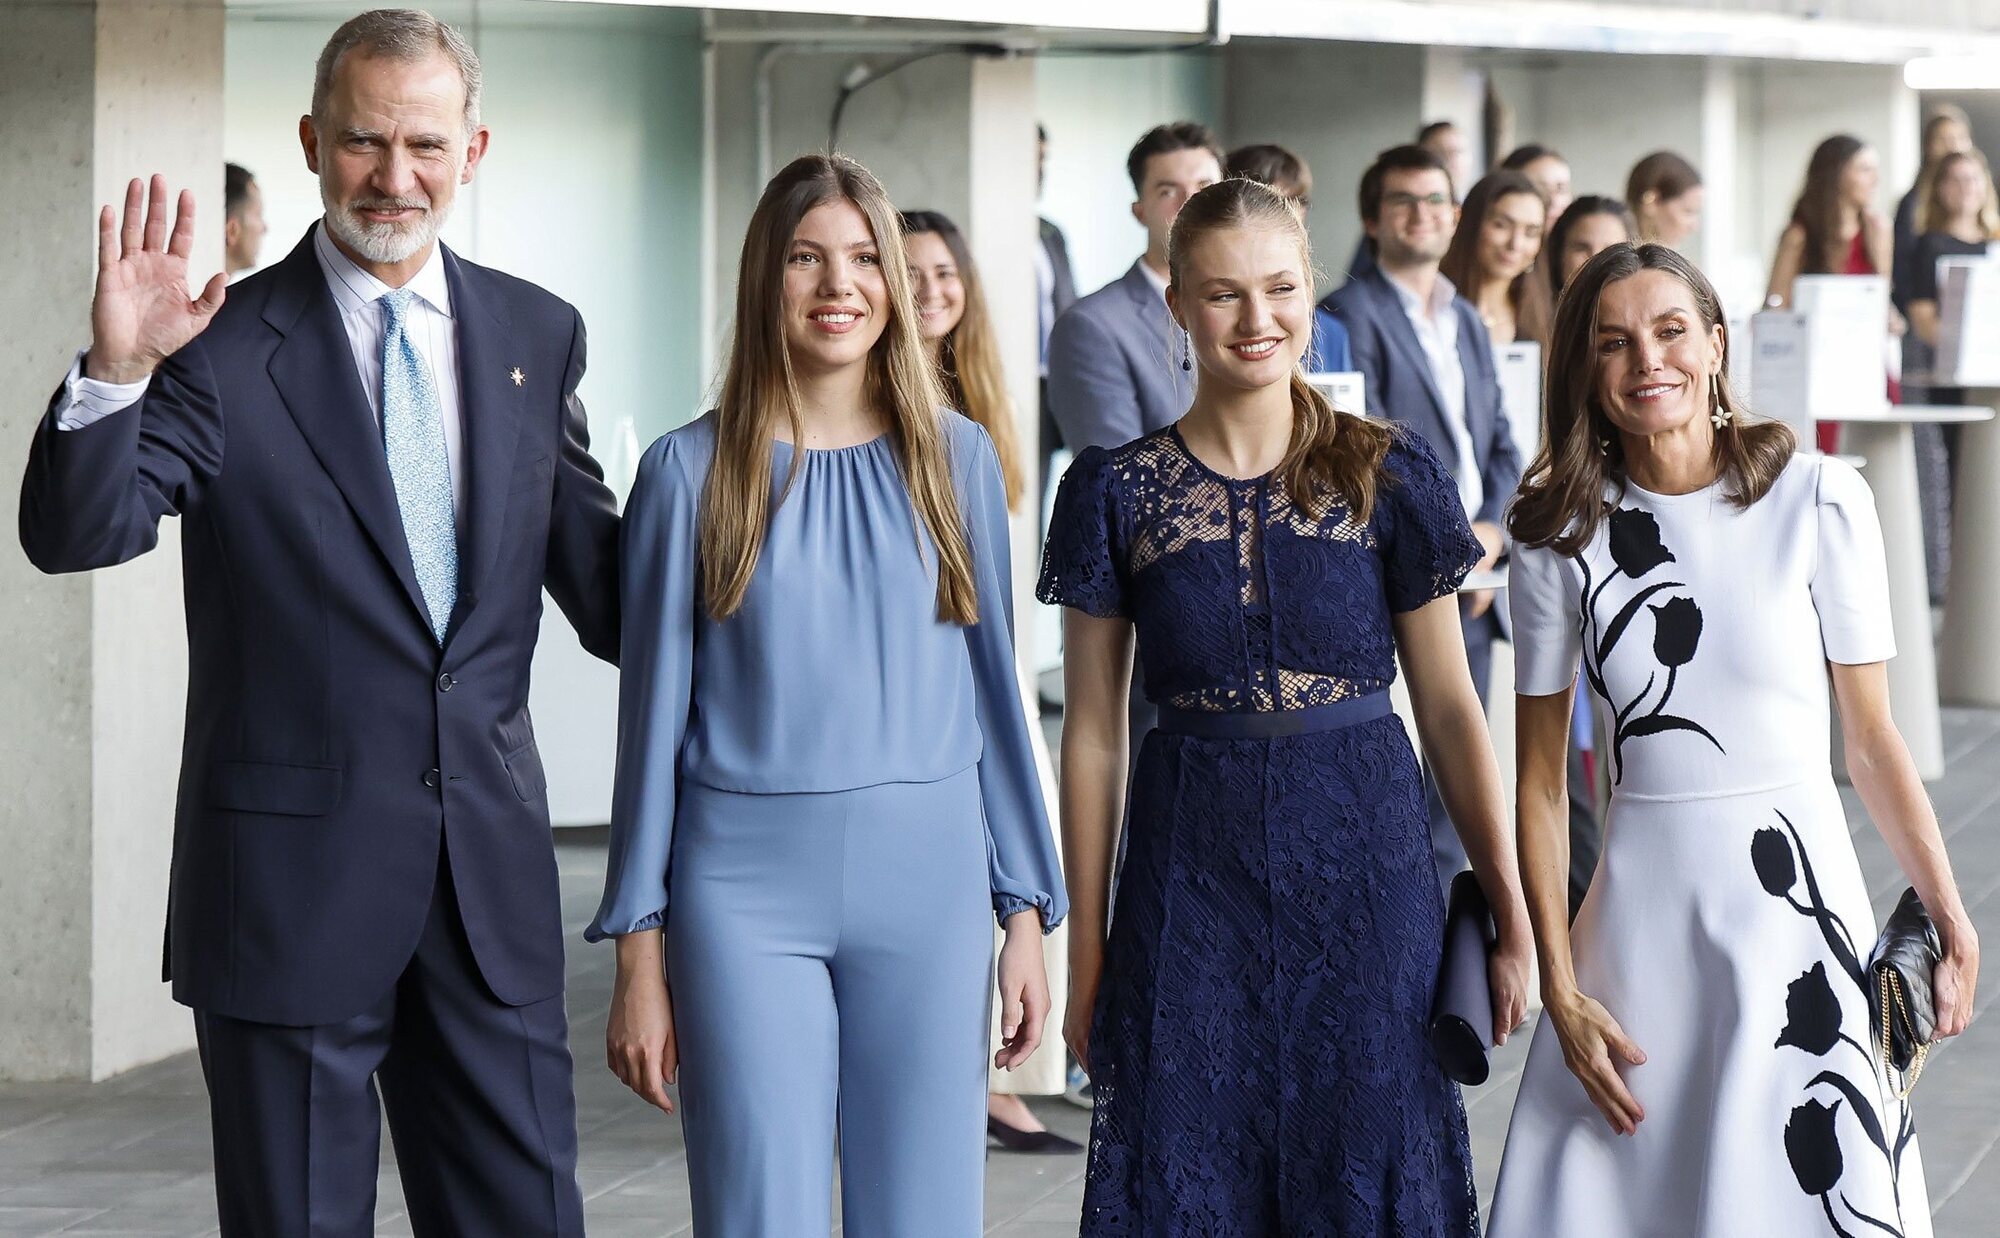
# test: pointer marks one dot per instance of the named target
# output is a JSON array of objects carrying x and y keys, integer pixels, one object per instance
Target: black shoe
[{"x": 1013, "y": 1139}]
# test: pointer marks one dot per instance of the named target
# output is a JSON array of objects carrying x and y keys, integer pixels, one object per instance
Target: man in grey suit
[
  {"x": 1429, "y": 365},
  {"x": 1115, "y": 366}
]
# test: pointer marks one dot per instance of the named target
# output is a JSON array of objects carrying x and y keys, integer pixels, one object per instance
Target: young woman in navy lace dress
[{"x": 1255, "y": 1023}]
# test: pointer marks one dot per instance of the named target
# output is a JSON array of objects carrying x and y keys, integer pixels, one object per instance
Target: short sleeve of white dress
[
  {"x": 1850, "y": 581},
  {"x": 1544, "y": 599}
]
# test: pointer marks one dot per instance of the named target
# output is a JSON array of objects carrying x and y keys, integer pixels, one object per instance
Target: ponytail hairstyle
[
  {"x": 1334, "y": 455},
  {"x": 1561, "y": 500},
  {"x": 969, "y": 356},
  {"x": 759, "y": 387}
]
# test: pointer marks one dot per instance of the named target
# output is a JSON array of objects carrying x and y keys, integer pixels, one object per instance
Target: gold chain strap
[{"x": 1923, "y": 1050}]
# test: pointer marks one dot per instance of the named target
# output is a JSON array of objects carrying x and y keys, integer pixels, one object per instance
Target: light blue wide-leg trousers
[{"x": 828, "y": 955}]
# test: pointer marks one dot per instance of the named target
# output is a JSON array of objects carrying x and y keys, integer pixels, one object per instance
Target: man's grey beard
[{"x": 382, "y": 242}]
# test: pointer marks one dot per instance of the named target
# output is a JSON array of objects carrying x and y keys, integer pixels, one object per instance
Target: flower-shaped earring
[{"x": 1718, "y": 416}]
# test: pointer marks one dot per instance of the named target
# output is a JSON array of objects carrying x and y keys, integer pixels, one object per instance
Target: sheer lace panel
[{"x": 1245, "y": 601}]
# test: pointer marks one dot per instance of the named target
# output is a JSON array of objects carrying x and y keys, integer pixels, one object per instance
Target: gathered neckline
[{"x": 833, "y": 451}]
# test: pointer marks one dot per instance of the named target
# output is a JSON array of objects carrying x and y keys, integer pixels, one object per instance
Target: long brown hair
[
  {"x": 760, "y": 385},
  {"x": 1931, "y": 215},
  {"x": 969, "y": 356},
  {"x": 1333, "y": 453},
  {"x": 1529, "y": 291},
  {"x": 1561, "y": 500},
  {"x": 1818, "y": 209}
]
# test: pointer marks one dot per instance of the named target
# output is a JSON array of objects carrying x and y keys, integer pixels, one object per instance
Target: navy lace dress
[{"x": 1259, "y": 1049}]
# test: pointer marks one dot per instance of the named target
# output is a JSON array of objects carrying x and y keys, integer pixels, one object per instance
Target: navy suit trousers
[{"x": 479, "y": 1096}]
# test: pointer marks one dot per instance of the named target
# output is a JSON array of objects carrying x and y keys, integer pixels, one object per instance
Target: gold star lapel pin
[{"x": 517, "y": 376}]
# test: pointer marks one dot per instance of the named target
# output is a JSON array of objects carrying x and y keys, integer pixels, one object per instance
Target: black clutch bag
[
  {"x": 1462, "y": 1009},
  {"x": 1901, "y": 1005}
]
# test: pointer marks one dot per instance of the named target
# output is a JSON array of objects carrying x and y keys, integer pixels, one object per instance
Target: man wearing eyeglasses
[{"x": 1428, "y": 365}]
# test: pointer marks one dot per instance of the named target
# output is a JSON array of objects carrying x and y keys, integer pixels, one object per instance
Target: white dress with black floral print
[{"x": 1728, "y": 925}]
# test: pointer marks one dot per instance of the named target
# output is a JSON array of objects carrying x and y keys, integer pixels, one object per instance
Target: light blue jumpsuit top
[{"x": 836, "y": 672}]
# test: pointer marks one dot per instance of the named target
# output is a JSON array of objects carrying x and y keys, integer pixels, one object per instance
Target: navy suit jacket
[
  {"x": 333, "y": 751},
  {"x": 1400, "y": 386},
  {"x": 1115, "y": 367}
]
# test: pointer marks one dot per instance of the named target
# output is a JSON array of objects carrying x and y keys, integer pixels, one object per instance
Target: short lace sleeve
[
  {"x": 1427, "y": 543},
  {"x": 1544, "y": 598},
  {"x": 1081, "y": 566},
  {"x": 1850, "y": 582}
]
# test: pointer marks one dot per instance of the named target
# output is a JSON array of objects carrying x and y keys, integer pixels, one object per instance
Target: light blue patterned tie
[{"x": 413, "y": 435}]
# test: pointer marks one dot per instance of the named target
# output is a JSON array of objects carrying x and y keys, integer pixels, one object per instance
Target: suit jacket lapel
[
  {"x": 313, "y": 369},
  {"x": 1404, "y": 337},
  {"x": 492, "y": 403},
  {"x": 1159, "y": 326},
  {"x": 1472, "y": 338}
]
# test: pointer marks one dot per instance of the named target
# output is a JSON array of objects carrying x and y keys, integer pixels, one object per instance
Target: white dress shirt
[
  {"x": 1437, "y": 333},
  {"x": 431, "y": 326}
]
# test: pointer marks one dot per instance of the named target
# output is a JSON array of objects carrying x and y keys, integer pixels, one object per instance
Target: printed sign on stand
[
  {"x": 1823, "y": 358},
  {"x": 1968, "y": 351},
  {"x": 1348, "y": 389},
  {"x": 1520, "y": 366}
]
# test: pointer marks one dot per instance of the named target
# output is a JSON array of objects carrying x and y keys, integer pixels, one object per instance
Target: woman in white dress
[{"x": 1705, "y": 1068}]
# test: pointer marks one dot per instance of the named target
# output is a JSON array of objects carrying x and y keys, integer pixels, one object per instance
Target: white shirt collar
[
  {"x": 355, "y": 289},
  {"x": 1157, "y": 280},
  {"x": 1443, "y": 291}
]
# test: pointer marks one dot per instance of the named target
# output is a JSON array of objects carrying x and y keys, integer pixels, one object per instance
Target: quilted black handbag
[{"x": 1901, "y": 1006}]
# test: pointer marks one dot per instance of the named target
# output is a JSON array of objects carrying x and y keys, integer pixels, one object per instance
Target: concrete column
[
  {"x": 92, "y": 92},
  {"x": 1376, "y": 95},
  {"x": 1001, "y": 225}
]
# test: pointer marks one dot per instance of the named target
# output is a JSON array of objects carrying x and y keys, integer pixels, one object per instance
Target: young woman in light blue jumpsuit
[{"x": 822, "y": 798}]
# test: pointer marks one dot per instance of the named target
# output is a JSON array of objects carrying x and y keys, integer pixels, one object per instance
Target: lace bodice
[{"x": 1241, "y": 599}]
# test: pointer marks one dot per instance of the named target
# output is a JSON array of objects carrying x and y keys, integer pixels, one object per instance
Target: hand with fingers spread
[
  {"x": 1594, "y": 1046},
  {"x": 1024, "y": 990},
  {"x": 639, "y": 1042},
  {"x": 142, "y": 312}
]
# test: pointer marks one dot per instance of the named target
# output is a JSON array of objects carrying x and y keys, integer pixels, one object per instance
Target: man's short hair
[
  {"x": 1397, "y": 159},
  {"x": 1270, "y": 165},
  {"x": 236, "y": 182},
  {"x": 1165, "y": 140},
  {"x": 405, "y": 35}
]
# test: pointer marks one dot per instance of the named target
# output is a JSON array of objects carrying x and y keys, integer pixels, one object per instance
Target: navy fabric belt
[{"x": 1204, "y": 724}]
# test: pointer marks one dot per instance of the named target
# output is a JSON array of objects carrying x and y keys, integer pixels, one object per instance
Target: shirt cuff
[{"x": 87, "y": 401}]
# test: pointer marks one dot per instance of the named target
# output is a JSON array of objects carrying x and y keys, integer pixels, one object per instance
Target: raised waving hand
[{"x": 142, "y": 312}]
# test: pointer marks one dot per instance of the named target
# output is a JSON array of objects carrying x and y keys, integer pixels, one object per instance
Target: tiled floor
[{"x": 131, "y": 1156}]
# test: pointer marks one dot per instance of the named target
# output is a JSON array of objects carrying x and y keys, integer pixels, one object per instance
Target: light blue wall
[
  {"x": 591, "y": 186},
  {"x": 1095, "y": 107}
]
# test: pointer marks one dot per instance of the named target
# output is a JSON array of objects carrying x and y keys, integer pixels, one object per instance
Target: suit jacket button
[
  {"x": 446, "y": 683},
  {"x": 431, "y": 778}
]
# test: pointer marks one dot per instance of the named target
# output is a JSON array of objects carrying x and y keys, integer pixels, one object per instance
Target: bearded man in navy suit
[{"x": 379, "y": 461}]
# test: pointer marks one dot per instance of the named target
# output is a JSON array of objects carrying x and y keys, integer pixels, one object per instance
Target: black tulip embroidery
[
  {"x": 1635, "y": 542},
  {"x": 1813, "y": 1017},
  {"x": 1812, "y": 1014},
  {"x": 1637, "y": 549},
  {"x": 1676, "y": 632},
  {"x": 1771, "y": 856},
  {"x": 1813, "y": 1147}
]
